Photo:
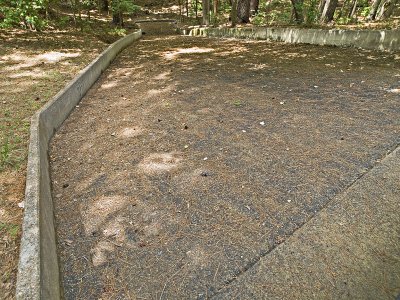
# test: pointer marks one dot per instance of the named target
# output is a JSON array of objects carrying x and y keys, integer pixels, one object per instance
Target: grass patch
[{"x": 11, "y": 229}]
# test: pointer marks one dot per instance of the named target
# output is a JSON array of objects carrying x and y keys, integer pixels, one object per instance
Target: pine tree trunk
[
  {"x": 117, "y": 19},
  {"x": 340, "y": 14},
  {"x": 243, "y": 11},
  {"x": 374, "y": 9},
  {"x": 353, "y": 9},
  {"x": 329, "y": 11},
  {"x": 298, "y": 11},
  {"x": 389, "y": 9},
  {"x": 254, "y": 7},
  {"x": 104, "y": 5},
  {"x": 206, "y": 12},
  {"x": 233, "y": 15}
]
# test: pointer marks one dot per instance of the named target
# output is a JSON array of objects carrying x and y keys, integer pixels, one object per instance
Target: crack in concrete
[{"x": 264, "y": 253}]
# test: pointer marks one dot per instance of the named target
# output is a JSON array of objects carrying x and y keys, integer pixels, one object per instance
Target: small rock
[
  {"x": 205, "y": 173},
  {"x": 113, "y": 134},
  {"x": 65, "y": 185},
  {"x": 58, "y": 195},
  {"x": 21, "y": 204},
  {"x": 205, "y": 158},
  {"x": 68, "y": 242},
  {"x": 262, "y": 123}
]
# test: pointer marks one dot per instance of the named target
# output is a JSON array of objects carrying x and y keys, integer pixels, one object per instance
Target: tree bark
[
  {"x": 344, "y": 5},
  {"x": 353, "y": 9},
  {"x": 206, "y": 12},
  {"x": 243, "y": 11},
  {"x": 254, "y": 7},
  {"x": 390, "y": 9},
  {"x": 374, "y": 9},
  {"x": 117, "y": 19},
  {"x": 233, "y": 15},
  {"x": 329, "y": 11},
  {"x": 104, "y": 5},
  {"x": 298, "y": 11}
]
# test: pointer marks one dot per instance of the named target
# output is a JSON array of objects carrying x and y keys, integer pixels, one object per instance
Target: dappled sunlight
[
  {"x": 153, "y": 92},
  {"x": 130, "y": 132},
  {"x": 98, "y": 210},
  {"x": 36, "y": 73},
  {"x": 123, "y": 72},
  {"x": 21, "y": 60},
  {"x": 235, "y": 50},
  {"x": 173, "y": 54},
  {"x": 395, "y": 91},
  {"x": 295, "y": 54},
  {"x": 160, "y": 162},
  {"x": 163, "y": 76},
  {"x": 109, "y": 85},
  {"x": 256, "y": 67}
]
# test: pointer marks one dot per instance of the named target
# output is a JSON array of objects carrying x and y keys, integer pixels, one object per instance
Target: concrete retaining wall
[
  {"x": 388, "y": 40},
  {"x": 38, "y": 271}
]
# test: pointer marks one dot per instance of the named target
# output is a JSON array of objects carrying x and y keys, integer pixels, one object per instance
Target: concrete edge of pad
[
  {"x": 38, "y": 270},
  {"x": 383, "y": 40}
]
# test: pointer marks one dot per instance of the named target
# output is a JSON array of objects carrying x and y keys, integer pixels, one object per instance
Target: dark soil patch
[{"x": 192, "y": 158}]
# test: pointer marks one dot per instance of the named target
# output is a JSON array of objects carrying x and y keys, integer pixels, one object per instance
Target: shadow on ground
[{"x": 191, "y": 158}]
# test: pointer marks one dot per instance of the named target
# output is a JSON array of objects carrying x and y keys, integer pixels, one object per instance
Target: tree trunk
[
  {"x": 374, "y": 9},
  {"x": 243, "y": 11},
  {"x": 353, "y": 9},
  {"x": 298, "y": 11},
  {"x": 321, "y": 8},
  {"x": 389, "y": 10},
  {"x": 233, "y": 16},
  {"x": 254, "y": 7},
  {"x": 206, "y": 12},
  {"x": 215, "y": 7},
  {"x": 117, "y": 19},
  {"x": 344, "y": 5},
  {"x": 104, "y": 5},
  {"x": 329, "y": 11}
]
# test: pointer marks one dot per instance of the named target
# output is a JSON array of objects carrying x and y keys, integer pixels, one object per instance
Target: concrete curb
[
  {"x": 384, "y": 40},
  {"x": 38, "y": 271}
]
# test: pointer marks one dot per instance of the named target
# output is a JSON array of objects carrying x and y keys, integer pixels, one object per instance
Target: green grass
[{"x": 11, "y": 229}]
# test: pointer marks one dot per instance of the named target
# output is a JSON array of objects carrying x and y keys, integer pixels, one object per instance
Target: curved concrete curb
[
  {"x": 386, "y": 40},
  {"x": 38, "y": 272}
]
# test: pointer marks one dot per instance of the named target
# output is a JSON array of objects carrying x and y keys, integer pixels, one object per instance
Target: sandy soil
[{"x": 192, "y": 158}]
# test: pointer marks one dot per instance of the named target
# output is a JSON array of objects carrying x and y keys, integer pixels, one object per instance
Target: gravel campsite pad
[{"x": 192, "y": 158}]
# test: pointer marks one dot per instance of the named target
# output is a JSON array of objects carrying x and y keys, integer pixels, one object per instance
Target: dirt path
[{"x": 190, "y": 159}]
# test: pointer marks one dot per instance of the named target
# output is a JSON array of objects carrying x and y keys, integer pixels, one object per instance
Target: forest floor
[
  {"x": 191, "y": 159},
  {"x": 33, "y": 68}
]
